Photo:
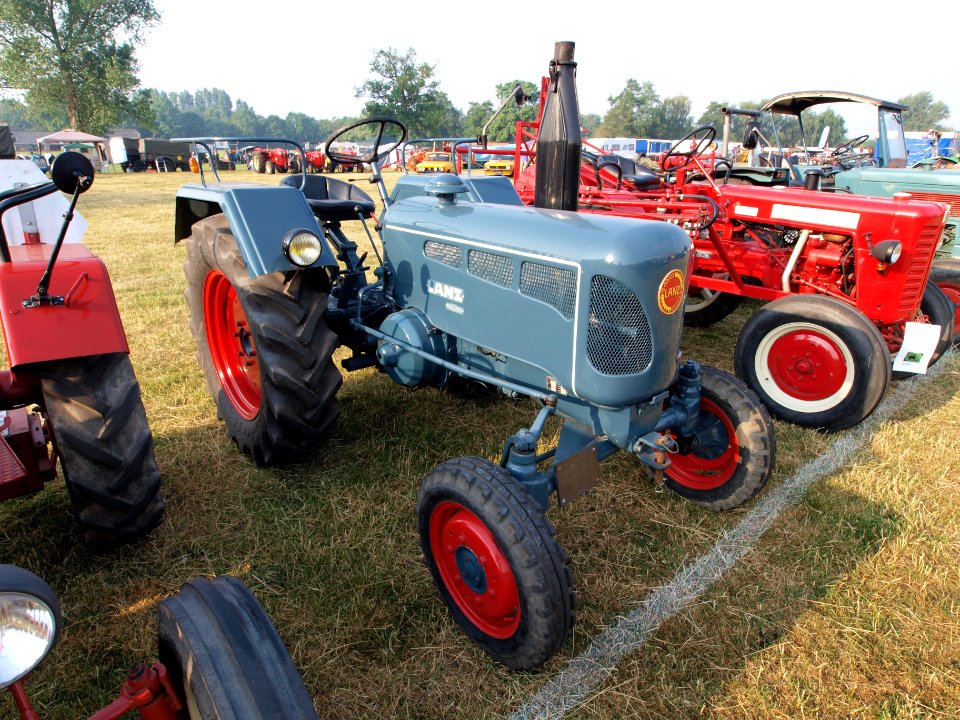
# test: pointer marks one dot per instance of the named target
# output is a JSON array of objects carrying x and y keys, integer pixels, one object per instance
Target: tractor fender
[
  {"x": 259, "y": 217},
  {"x": 87, "y": 323}
]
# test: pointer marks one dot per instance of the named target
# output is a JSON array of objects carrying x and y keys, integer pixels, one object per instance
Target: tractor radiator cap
[{"x": 446, "y": 187}]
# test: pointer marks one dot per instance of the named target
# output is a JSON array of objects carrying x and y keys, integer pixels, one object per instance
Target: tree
[
  {"x": 504, "y": 128},
  {"x": 670, "y": 119},
  {"x": 406, "y": 91},
  {"x": 65, "y": 54},
  {"x": 590, "y": 122},
  {"x": 923, "y": 112},
  {"x": 630, "y": 111},
  {"x": 476, "y": 117}
]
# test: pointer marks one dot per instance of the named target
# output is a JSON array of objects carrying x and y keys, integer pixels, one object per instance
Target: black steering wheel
[
  {"x": 710, "y": 133},
  {"x": 848, "y": 146},
  {"x": 377, "y": 150}
]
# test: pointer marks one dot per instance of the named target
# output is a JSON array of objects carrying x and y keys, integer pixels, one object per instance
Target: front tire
[
  {"x": 264, "y": 347},
  {"x": 735, "y": 446},
  {"x": 495, "y": 561},
  {"x": 105, "y": 446},
  {"x": 814, "y": 361},
  {"x": 225, "y": 657}
]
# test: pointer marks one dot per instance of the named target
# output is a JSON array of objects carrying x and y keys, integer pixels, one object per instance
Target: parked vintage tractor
[
  {"x": 70, "y": 393},
  {"x": 219, "y": 654},
  {"x": 844, "y": 274},
  {"x": 883, "y": 172},
  {"x": 316, "y": 161},
  {"x": 269, "y": 160},
  {"x": 581, "y": 313}
]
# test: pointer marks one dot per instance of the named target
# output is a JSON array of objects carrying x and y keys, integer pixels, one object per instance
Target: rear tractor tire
[
  {"x": 735, "y": 446},
  {"x": 100, "y": 431},
  {"x": 269, "y": 167},
  {"x": 257, "y": 163},
  {"x": 494, "y": 558},
  {"x": 814, "y": 361},
  {"x": 264, "y": 347},
  {"x": 224, "y": 656}
]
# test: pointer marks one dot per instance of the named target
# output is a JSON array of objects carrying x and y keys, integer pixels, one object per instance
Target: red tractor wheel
[
  {"x": 732, "y": 456},
  {"x": 264, "y": 347},
  {"x": 705, "y": 307},
  {"x": 496, "y": 562},
  {"x": 946, "y": 275},
  {"x": 814, "y": 361},
  {"x": 224, "y": 656},
  {"x": 100, "y": 431},
  {"x": 258, "y": 163},
  {"x": 269, "y": 167}
]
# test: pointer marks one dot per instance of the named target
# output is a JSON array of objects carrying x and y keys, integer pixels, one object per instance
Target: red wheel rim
[
  {"x": 231, "y": 345},
  {"x": 952, "y": 291},
  {"x": 714, "y": 463},
  {"x": 474, "y": 570},
  {"x": 807, "y": 365}
]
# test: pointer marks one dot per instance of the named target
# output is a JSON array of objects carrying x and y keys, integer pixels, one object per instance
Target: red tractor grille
[
  {"x": 952, "y": 200},
  {"x": 916, "y": 279}
]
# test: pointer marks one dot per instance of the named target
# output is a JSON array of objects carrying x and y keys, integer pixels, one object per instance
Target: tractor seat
[
  {"x": 640, "y": 177},
  {"x": 332, "y": 200}
]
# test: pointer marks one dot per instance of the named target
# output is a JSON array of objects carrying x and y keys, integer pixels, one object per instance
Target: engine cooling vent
[
  {"x": 497, "y": 269},
  {"x": 554, "y": 286},
  {"x": 619, "y": 341},
  {"x": 442, "y": 252}
]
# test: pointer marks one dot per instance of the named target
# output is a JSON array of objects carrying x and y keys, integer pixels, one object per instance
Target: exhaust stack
[{"x": 558, "y": 143}]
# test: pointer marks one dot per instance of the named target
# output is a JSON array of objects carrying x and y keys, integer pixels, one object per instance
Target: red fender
[{"x": 88, "y": 323}]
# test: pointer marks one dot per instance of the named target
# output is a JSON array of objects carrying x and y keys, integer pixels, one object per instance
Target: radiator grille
[
  {"x": 914, "y": 282},
  {"x": 497, "y": 269},
  {"x": 554, "y": 286},
  {"x": 619, "y": 341},
  {"x": 952, "y": 200},
  {"x": 442, "y": 252}
]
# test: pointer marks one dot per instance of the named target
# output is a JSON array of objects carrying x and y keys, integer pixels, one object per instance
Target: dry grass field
[{"x": 848, "y": 607}]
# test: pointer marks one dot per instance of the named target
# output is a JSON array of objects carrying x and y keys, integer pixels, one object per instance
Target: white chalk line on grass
[{"x": 584, "y": 673}]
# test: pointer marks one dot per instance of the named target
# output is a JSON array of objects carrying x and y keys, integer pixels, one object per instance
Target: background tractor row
[
  {"x": 843, "y": 274},
  {"x": 580, "y": 313}
]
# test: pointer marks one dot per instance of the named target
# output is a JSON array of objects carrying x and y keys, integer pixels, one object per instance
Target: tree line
[{"x": 66, "y": 57}]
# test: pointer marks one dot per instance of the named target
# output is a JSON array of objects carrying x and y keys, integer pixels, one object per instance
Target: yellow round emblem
[{"x": 670, "y": 294}]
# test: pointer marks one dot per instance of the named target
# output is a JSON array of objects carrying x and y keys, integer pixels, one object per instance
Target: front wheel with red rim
[
  {"x": 495, "y": 561},
  {"x": 733, "y": 450},
  {"x": 814, "y": 361}
]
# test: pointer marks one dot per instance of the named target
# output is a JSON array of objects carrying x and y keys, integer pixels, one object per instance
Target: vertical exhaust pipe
[{"x": 558, "y": 143}]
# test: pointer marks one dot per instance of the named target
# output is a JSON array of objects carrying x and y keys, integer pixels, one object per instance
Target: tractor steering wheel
[
  {"x": 376, "y": 152},
  {"x": 846, "y": 147},
  {"x": 710, "y": 133}
]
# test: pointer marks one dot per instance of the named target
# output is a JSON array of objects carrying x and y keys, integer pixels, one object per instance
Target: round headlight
[
  {"x": 302, "y": 247},
  {"x": 29, "y": 622},
  {"x": 887, "y": 251}
]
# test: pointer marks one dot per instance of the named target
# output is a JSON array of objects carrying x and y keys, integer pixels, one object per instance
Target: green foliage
[
  {"x": 476, "y": 117},
  {"x": 923, "y": 112},
  {"x": 504, "y": 127},
  {"x": 405, "y": 89},
  {"x": 590, "y": 122},
  {"x": 65, "y": 55},
  {"x": 639, "y": 112}
]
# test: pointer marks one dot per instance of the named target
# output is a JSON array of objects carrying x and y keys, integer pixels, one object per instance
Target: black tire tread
[
  {"x": 105, "y": 446},
  {"x": 239, "y": 667},
  {"x": 299, "y": 380},
  {"x": 524, "y": 528}
]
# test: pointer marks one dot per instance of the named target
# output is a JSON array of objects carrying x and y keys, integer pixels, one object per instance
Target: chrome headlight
[
  {"x": 302, "y": 247},
  {"x": 29, "y": 622}
]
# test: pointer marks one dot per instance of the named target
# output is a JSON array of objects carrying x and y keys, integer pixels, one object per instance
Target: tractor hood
[{"x": 588, "y": 301}]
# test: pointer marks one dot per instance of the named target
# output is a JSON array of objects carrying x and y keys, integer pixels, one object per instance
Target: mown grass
[{"x": 847, "y": 607}]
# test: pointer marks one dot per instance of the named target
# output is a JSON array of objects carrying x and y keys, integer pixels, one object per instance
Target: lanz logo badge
[
  {"x": 670, "y": 294},
  {"x": 449, "y": 292}
]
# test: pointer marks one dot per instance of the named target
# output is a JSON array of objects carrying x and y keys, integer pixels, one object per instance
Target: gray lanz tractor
[{"x": 582, "y": 313}]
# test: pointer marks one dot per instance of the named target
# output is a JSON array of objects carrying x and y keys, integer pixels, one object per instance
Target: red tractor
[
  {"x": 316, "y": 161},
  {"x": 844, "y": 274},
  {"x": 270, "y": 160},
  {"x": 220, "y": 656},
  {"x": 70, "y": 393}
]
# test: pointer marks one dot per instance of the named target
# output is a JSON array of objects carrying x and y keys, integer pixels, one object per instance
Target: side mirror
[
  {"x": 72, "y": 170},
  {"x": 750, "y": 134}
]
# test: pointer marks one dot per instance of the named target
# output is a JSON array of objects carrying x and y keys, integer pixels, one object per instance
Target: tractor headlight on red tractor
[
  {"x": 887, "y": 251},
  {"x": 302, "y": 247},
  {"x": 29, "y": 622}
]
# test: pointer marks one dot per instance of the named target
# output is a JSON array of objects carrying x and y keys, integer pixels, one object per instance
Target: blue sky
[{"x": 301, "y": 56}]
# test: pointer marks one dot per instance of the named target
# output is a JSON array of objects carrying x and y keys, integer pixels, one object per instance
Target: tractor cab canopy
[{"x": 796, "y": 102}]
